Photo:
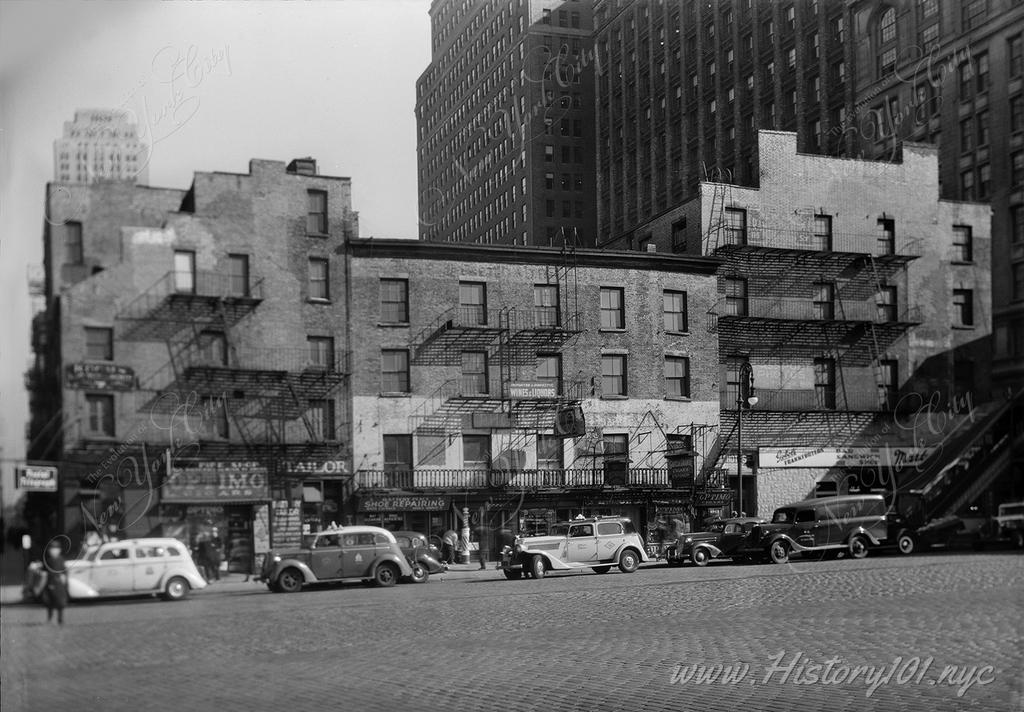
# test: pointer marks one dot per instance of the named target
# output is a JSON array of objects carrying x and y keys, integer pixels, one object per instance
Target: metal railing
[
  {"x": 808, "y": 399},
  {"x": 528, "y": 479},
  {"x": 202, "y": 283}
]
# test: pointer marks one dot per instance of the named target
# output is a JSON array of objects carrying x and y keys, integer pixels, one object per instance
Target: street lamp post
[{"x": 745, "y": 400}]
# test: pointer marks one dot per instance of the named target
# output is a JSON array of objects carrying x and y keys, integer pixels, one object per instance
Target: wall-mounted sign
[
  {"x": 713, "y": 498},
  {"x": 318, "y": 468},
  {"x": 403, "y": 503},
  {"x": 894, "y": 457},
  {"x": 36, "y": 478},
  {"x": 569, "y": 422},
  {"x": 99, "y": 377},
  {"x": 533, "y": 389},
  {"x": 214, "y": 482}
]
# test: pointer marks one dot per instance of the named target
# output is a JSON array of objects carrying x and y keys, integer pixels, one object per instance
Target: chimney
[{"x": 303, "y": 166}]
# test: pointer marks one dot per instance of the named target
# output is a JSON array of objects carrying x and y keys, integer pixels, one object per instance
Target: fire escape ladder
[{"x": 716, "y": 218}]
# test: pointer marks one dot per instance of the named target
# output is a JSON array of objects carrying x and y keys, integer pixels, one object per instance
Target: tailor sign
[
  {"x": 894, "y": 457},
  {"x": 36, "y": 478}
]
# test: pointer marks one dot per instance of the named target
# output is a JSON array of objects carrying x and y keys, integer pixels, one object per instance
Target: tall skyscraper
[
  {"x": 100, "y": 144},
  {"x": 505, "y": 123}
]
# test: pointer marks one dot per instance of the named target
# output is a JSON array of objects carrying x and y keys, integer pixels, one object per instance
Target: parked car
[
  {"x": 597, "y": 543},
  {"x": 423, "y": 557},
  {"x": 357, "y": 553},
  {"x": 826, "y": 526},
  {"x": 1006, "y": 527},
  {"x": 132, "y": 567},
  {"x": 721, "y": 540}
]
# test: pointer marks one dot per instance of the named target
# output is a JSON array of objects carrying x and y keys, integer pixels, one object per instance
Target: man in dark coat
[{"x": 55, "y": 595}]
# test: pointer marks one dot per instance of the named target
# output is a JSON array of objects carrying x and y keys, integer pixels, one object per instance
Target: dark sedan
[
  {"x": 424, "y": 557},
  {"x": 721, "y": 540}
]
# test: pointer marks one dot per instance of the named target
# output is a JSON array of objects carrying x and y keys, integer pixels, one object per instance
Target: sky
[{"x": 272, "y": 80}]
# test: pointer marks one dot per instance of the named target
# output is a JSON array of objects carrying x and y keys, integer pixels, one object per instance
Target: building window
[
  {"x": 185, "y": 271},
  {"x": 889, "y": 384},
  {"x": 394, "y": 301},
  {"x": 316, "y": 217},
  {"x": 982, "y": 72},
  {"x": 1017, "y": 169},
  {"x": 549, "y": 153},
  {"x": 1017, "y": 224},
  {"x": 74, "y": 253},
  {"x": 674, "y": 311},
  {"x": 1015, "y": 54},
  {"x": 476, "y": 452},
  {"x": 679, "y": 235},
  {"x": 967, "y": 185},
  {"x": 733, "y": 368},
  {"x": 319, "y": 279},
  {"x": 822, "y": 232},
  {"x": 887, "y": 62},
  {"x": 973, "y": 13},
  {"x": 615, "y": 447},
  {"x": 735, "y": 296},
  {"x": 101, "y": 414},
  {"x": 430, "y": 450},
  {"x": 613, "y": 313},
  {"x": 963, "y": 307},
  {"x": 966, "y": 72},
  {"x": 213, "y": 348},
  {"x": 321, "y": 419},
  {"x": 677, "y": 377},
  {"x": 886, "y": 304},
  {"x": 473, "y": 303},
  {"x": 984, "y": 181},
  {"x": 966, "y": 136},
  {"x": 474, "y": 373},
  {"x": 824, "y": 301},
  {"x": 99, "y": 343},
  {"x": 887, "y": 26},
  {"x": 549, "y": 370},
  {"x": 613, "y": 375},
  {"x": 549, "y": 181},
  {"x": 321, "y": 352},
  {"x": 886, "y": 236},
  {"x": 545, "y": 305},
  {"x": 397, "y": 453},
  {"x": 238, "y": 275},
  {"x": 550, "y": 452},
  {"x": 394, "y": 371},
  {"x": 735, "y": 226},
  {"x": 825, "y": 383},
  {"x": 983, "y": 128},
  {"x": 1018, "y": 281},
  {"x": 1017, "y": 112}
]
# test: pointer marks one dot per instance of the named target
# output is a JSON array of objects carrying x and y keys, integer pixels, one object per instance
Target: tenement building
[
  {"x": 519, "y": 386},
  {"x": 856, "y": 305},
  {"x": 231, "y": 363},
  {"x": 505, "y": 135},
  {"x": 100, "y": 144},
  {"x": 194, "y": 357}
]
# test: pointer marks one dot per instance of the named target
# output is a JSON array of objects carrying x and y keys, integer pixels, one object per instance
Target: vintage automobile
[
  {"x": 819, "y": 528},
  {"x": 356, "y": 553},
  {"x": 1006, "y": 527},
  {"x": 597, "y": 543},
  {"x": 424, "y": 557},
  {"x": 722, "y": 539},
  {"x": 131, "y": 567}
]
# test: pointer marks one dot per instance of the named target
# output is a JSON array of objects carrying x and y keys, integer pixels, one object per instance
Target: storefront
[
  {"x": 319, "y": 488},
  {"x": 427, "y": 514},
  {"x": 218, "y": 503}
]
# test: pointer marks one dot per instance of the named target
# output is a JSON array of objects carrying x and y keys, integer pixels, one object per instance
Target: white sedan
[{"x": 135, "y": 567}]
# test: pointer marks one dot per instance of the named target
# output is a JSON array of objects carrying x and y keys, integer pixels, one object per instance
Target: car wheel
[
  {"x": 176, "y": 589},
  {"x": 419, "y": 573},
  {"x": 537, "y": 566},
  {"x": 905, "y": 543},
  {"x": 858, "y": 547},
  {"x": 386, "y": 574},
  {"x": 1018, "y": 539},
  {"x": 629, "y": 560},
  {"x": 779, "y": 552},
  {"x": 602, "y": 569},
  {"x": 290, "y": 581},
  {"x": 700, "y": 556},
  {"x": 513, "y": 575}
]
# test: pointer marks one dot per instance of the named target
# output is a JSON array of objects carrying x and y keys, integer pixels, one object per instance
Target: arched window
[
  {"x": 887, "y": 27},
  {"x": 886, "y": 46}
]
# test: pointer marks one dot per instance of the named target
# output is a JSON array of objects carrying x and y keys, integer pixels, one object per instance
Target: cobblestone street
[{"x": 794, "y": 635}]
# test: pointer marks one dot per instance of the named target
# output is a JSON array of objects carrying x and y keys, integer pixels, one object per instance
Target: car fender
[
  {"x": 430, "y": 563},
  {"x": 861, "y": 531},
  {"x": 195, "y": 581},
  {"x": 307, "y": 573},
  {"x": 790, "y": 542},
  {"x": 640, "y": 549},
  {"x": 400, "y": 561},
  {"x": 713, "y": 551},
  {"x": 80, "y": 589},
  {"x": 553, "y": 562}
]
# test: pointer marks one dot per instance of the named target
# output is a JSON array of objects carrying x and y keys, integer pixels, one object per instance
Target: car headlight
[
  {"x": 519, "y": 548},
  {"x": 688, "y": 540},
  {"x": 276, "y": 558}
]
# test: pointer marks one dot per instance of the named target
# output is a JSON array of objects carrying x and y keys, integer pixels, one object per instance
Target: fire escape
[
  {"x": 269, "y": 396},
  {"x": 808, "y": 295}
]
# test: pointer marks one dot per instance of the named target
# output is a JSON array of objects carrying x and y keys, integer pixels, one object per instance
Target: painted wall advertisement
[
  {"x": 893, "y": 457},
  {"x": 99, "y": 377},
  {"x": 217, "y": 481}
]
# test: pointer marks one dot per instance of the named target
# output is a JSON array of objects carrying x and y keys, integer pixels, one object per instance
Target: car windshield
[
  {"x": 559, "y": 530},
  {"x": 783, "y": 516}
]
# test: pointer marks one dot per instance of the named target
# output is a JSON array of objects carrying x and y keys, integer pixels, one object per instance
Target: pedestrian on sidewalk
[
  {"x": 482, "y": 545},
  {"x": 448, "y": 542},
  {"x": 55, "y": 594}
]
